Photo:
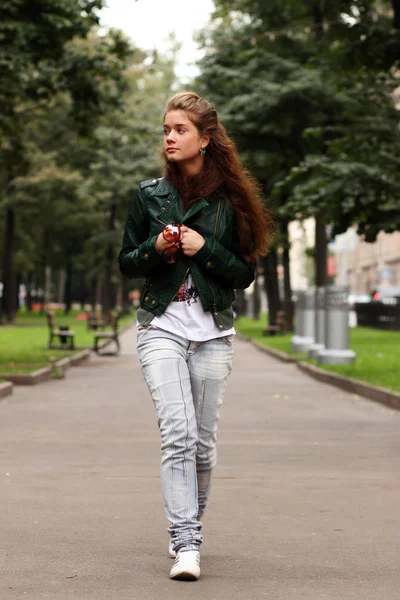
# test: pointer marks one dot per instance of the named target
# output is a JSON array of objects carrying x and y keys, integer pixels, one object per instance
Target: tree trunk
[
  {"x": 396, "y": 10},
  {"x": 68, "y": 288},
  {"x": 92, "y": 293},
  {"x": 256, "y": 298},
  {"x": 240, "y": 303},
  {"x": 107, "y": 286},
  {"x": 321, "y": 252},
  {"x": 37, "y": 290},
  {"x": 98, "y": 293},
  {"x": 287, "y": 288},
  {"x": 118, "y": 297},
  {"x": 16, "y": 290},
  {"x": 83, "y": 291},
  {"x": 28, "y": 298},
  {"x": 47, "y": 286},
  {"x": 44, "y": 272},
  {"x": 318, "y": 22},
  {"x": 61, "y": 286},
  {"x": 270, "y": 264},
  {"x": 8, "y": 304},
  {"x": 126, "y": 305}
]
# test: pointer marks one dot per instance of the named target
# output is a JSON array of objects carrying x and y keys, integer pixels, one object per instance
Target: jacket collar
[
  {"x": 195, "y": 208},
  {"x": 172, "y": 196}
]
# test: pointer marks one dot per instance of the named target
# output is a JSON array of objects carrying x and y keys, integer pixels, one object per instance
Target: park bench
[
  {"x": 66, "y": 337},
  {"x": 94, "y": 321},
  {"x": 108, "y": 335},
  {"x": 279, "y": 327}
]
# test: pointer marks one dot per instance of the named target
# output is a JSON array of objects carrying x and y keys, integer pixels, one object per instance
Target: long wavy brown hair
[{"x": 223, "y": 173}]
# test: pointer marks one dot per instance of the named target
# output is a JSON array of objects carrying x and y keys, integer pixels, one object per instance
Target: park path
[{"x": 305, "y": 499}]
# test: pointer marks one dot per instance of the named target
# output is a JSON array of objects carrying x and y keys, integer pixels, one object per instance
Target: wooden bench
[
  {"x": 279, "y": 327},
  {"x": 94, "y": 321},
  {"x": 108, "y": 335},
  {"x": 66, "y": 337}
]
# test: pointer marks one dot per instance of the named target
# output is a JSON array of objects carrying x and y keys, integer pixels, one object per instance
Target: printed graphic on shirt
[{"x": 187, "y": 293}]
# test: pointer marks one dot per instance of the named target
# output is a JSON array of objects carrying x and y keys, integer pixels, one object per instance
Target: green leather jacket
[{"x": 216, "y": 268}]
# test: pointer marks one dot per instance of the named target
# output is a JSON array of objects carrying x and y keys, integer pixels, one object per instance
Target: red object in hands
[{"x": 172, "y": 233}]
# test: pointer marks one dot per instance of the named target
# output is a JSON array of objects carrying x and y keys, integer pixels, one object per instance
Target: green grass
[
  {"x": 23, "y": 346},
  {"x": 254, "y": 329},
  {"x": 378, "y": 352}
]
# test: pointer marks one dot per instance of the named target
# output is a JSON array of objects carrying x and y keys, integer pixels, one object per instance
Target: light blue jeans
[{"x": 187, "y": 381}]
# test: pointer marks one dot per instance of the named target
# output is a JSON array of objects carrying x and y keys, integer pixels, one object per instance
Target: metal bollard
[
  {"x": 319, "y": 342},
  {"x": 336, "y": 349},
  {"x": 302, "y": 342}
]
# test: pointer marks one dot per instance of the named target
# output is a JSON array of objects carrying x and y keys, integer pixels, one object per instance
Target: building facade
[
  {"x": 301, "y": 237},
  {"x": 363, "y": 266},
  {"x": 359, "y": 265}
]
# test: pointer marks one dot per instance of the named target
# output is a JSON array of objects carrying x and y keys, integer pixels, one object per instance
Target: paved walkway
[{"x": 305, "y": 505}]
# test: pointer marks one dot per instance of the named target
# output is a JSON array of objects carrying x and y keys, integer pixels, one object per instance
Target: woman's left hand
[{"x": 190, "y": 241}]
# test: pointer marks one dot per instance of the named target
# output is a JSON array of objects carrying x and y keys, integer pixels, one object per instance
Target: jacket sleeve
[
  {"x": 138, "y": 256},
  {"x": 224, "y": 264}
]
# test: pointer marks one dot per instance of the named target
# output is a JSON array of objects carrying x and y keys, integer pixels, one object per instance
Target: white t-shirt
[{"x": 185, "y": 316}]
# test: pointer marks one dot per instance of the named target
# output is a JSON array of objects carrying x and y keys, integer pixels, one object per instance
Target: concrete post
[
  {"x": 336, "y": 349},
  {"x": 319, "y": 342},
  {"x": 302, "y": 342},
  {"x": 298, "y": 317}
]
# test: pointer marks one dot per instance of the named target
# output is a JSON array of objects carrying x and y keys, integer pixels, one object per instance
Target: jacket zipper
[
  {"x": 217, "y": 217},
  {"x": 162, "y": 222}
]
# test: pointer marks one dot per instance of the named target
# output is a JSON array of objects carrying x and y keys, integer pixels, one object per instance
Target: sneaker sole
[{"x": 185, "y": 576}]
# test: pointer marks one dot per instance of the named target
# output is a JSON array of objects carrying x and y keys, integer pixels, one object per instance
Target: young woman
[{"x": 194, "y": 235}]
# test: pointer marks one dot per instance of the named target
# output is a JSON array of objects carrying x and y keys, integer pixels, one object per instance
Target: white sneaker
[
  {"x": 186, "y": 566},
  {"x": 171, "y": 550}
]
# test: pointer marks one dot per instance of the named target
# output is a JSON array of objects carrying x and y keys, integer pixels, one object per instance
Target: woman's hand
[
  {"x": 191, "y": 241},
  {"x": 162, "y": 244}
]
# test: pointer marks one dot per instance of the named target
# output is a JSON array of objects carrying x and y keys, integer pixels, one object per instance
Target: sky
[{"x": 149, "y": 22}]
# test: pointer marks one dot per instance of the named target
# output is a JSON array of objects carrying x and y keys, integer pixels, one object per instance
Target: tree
[
  {"x": 71, "y": 204},
  {"x": 41, "y": 57},
  {"x": 126, "y": 144},
  {"x": 330, "y": 149},
  {"x": 267, "y": 99}
]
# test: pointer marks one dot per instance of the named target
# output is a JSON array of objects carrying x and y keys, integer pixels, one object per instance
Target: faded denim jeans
[{"x": 187, "y": 381}]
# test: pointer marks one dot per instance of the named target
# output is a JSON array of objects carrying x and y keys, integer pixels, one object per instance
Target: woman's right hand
[{"x": 162, "y": 244}]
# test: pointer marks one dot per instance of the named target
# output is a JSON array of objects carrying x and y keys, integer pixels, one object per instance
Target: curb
[
  {"x": 275, "y": 353},
  {"x": 71, "y": 361},
  {"x": 42, "y": 375},
  {"x": 282, "y": 356},
  {"x": 372, "y": 392},
  {"x": 34, "y": 378},
  {"x": 63, "y": 365},
  {"x": 45, "y": 374},
  {"x": 6, "y": 389},
  {"x": 354, "y": 386},
  {"x": 78, "y": 359}
]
